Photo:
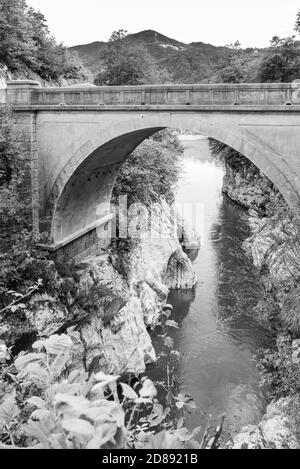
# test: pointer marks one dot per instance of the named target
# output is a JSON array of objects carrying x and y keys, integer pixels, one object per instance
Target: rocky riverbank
[{"x": 274, "y": 247}]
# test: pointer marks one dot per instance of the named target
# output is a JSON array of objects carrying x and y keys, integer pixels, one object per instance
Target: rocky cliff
[{"x": 274, "y": 246}]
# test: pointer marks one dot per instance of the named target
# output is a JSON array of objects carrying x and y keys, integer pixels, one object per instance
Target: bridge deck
[{"x": 212, "y": 96}]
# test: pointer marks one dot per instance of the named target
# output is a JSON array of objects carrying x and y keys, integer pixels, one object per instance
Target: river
[{"x": 217, "y": 337}]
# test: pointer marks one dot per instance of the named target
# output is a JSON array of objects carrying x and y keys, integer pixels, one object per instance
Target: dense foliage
[
  {"x": 281, "y": 62},
  {"x": 26, "y": 44},
  {"x": 46, "y": 403},
  {"x": 15, "y": 202},
  {"x": 157, "y": 161}
]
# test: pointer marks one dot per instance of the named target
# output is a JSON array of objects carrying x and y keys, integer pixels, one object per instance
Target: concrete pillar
[
  {"x": 296, "y": 92},
  {"x": 19, "y": 91}
]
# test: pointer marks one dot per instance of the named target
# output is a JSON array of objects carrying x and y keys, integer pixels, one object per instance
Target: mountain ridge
[{"x": 169, "y": 60}]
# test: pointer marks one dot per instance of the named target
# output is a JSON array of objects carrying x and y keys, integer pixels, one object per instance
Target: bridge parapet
[{"x": 29, "y": 93}]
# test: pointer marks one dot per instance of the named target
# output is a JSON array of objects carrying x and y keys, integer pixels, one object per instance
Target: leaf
[
  {"x": 15, "y": 294},
  {"x": 40, "y": 414},
  {"x": 105, "y": 379},
  {"x": 70, "y": 406},
  {"x": 157, "y": 415},
  {"x": 296, "y": 357},
  {"x": 24, "y": 360},
  {"x": 104, "y": 434},
  {"x": 196, "y": 431},
  {"x": 58, "y": 344},
  {"x": 59, "y": 364},
  {"x": 183, "y": 434},
  {"x": 148, "y": 390},
  {"x": 171, "y": 323},
  {"x": 35, "y": 374},
  {"x": 77, "y": 376},
  {"x": 78, "y": 426},
  {"x": 40, "y": 430},
  {"x": 8, "y": 410},
  {"x": 128, "y": 392},
  {"x": 3, "y": 352},
  {"x": 37, "y": 402}
]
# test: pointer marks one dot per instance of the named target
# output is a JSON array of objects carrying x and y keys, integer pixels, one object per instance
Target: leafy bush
[{"x": 67, "y": 409}]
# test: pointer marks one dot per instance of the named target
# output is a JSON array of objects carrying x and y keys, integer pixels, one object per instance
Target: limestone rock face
[
  {"x": 126, "y": 342},
  {"x": 154, "y": 264},
  {"x": 246, "y": 186},
  {"x": 273, "y": 432},
  {"x": 123, "y": 346},
  {"x": 188, "y": 236},
  {"x": 275, "y": 245},
  {"x": 157, "y": 263},
  {"x": 180, "y": 273},
  {"x": 46, "y": 316}
]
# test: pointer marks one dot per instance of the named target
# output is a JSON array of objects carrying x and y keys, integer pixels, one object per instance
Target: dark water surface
[{"x": 217, "y": 337}]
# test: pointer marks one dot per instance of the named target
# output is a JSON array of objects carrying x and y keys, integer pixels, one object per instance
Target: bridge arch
[{"x": 89, "y": 175}]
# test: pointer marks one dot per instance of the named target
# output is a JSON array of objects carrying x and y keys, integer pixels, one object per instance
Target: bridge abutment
[{"x": 26, "y": 137}]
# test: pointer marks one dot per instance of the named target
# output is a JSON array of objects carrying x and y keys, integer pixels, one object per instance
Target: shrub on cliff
[{"x": 280, "y": 371}]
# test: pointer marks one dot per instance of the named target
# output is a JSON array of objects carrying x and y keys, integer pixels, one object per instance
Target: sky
[{"x": 218, "y": 22}]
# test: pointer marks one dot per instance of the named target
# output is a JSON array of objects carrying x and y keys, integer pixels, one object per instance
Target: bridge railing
[{"x": 32, "y": 94}]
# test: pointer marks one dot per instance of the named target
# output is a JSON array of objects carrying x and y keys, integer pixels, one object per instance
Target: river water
[{"x": 217, "y": 336}]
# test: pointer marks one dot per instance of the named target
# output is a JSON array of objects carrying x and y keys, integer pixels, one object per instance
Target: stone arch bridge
[{"x": 78, "y": 137}]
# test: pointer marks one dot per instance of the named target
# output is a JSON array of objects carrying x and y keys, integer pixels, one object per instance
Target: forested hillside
[
  {"x": 27, "y": 48},
  {"x": 164, "y": 60},
  {"x": 159, "y": 59}
]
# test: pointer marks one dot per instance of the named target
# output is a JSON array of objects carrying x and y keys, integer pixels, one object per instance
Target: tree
[
  {"x": 123, "y": 63},
  {"x": 281, "y": 62},
  {"x": 297, "y": 24},
  {"x": 27, "y": 45},
  {"x": 237, "y": 65}
]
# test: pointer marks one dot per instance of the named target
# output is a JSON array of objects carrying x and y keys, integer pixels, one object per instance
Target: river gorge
[{"x": 217, "y": 336}]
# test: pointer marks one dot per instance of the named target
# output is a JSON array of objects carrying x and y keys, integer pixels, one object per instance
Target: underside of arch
[{"x": 86, "y": 192}]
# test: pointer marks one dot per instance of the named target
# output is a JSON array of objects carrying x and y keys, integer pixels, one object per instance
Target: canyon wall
[{"x": 274, "y": 247}]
